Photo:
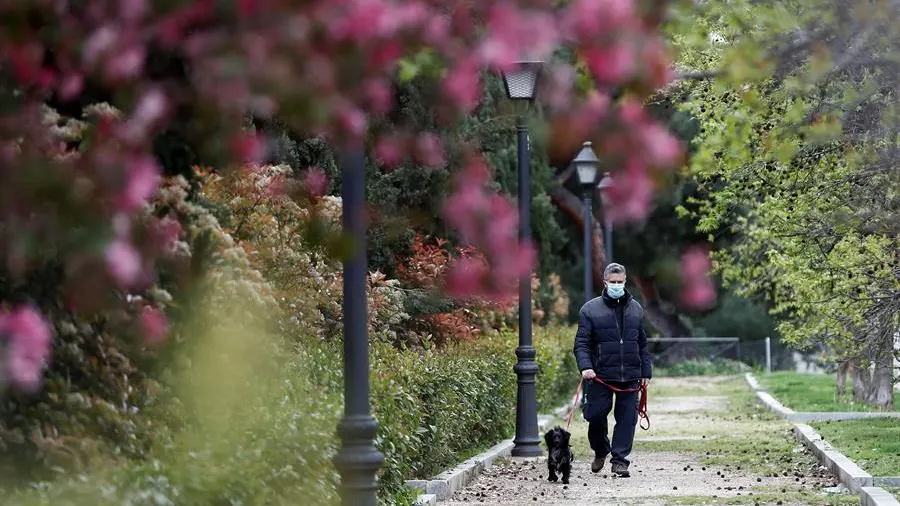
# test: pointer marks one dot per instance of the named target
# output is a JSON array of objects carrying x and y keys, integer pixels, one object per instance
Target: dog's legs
[
  {"x": 551, "y": 466},
  {"x": 566, "y": 468}
]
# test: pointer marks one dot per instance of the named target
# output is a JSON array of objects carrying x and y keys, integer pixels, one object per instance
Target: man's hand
[
  {"x": 588, "y": 374},
  {"x": 645, "y": 382}
]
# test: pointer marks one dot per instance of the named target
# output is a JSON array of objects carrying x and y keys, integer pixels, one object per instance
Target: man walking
[{"x": 611, "y": 346}]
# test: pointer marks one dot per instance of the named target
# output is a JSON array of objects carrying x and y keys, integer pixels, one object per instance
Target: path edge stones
[
  {"x": 444, "y": 485},
  {"x": 810, "y": 416},
  {"x": 848, "y": 472}
]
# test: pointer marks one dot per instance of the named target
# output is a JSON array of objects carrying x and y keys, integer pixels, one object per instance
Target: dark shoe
[
  {"x": 620, "y": 469},
  {"x": 598, "y": 463}
]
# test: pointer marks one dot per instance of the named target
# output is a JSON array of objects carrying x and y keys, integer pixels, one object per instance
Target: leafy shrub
[
  {"x": 254, "y": 422},
  {"x": 101, "y": 379},
  {"x": 272, "y": 439}
]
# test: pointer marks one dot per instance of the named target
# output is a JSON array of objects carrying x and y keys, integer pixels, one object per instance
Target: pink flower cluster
[
  {"x": 698, "y": 291},
  {"x": 26, "y": 338},
  {"x": 643, "y": 149},
  {"x": 487, "y": 219},
  {"x": 323, "y": 66}
]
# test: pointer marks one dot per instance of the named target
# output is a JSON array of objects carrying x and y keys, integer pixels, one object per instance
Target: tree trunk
[
  {"x": 573, "y": 207},
  {"x": 881, "y": 389},
  {"x": 665, "y": 321},
  {"x": 843, "y": 369},
  {"x": 861, "y": 380}
]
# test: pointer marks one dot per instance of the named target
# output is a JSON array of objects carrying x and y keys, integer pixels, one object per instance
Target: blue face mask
[{"x": 615, "y": 290}]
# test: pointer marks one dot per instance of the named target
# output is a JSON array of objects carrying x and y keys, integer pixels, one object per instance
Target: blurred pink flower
[
  {"x": 352, "y": 120},
  {"x": 316, "y": 182},
  {"x": 589, "y": 19},
  {"x": 126, "y": 64},
  {"x": 515, "y": 33},
  {"x": 132, "y": 10},
  {"x": 102, "y": 40},
  {"x": 379, "y": 95},
  {"x": 632, "y": 113},
  {"x": 429, "y": 150},
  {"x": 28, "y": 346},
  {"x": 612, "y": 64},
  {"x": 661, "y": 148},
  {"x": 71, "y": 85},
  {"x": 502, "y": 223},
  {"x": 699, "y": 295},
  {"x": 698, "y": 291},
  {"x": 463, "y": 208},
  {"x": 631, "y": 194},
  {"x": 166, "y": 232},
  {"x": 249, "y": 148},
  {"x": 695, "y": 262},
  {"x": 466, "y": 278},
  {"x": 487, "y": 221},
  {"x": 390, "y": 151},
  {"x": 123, "y": 262},
  {"x": 151, "y": 106},
  {"x": 143, "y": 181},
  {"x": 463, "y": 86},
  {"x": 153, "y": 324},
  {"x": 514, "y": 263}
]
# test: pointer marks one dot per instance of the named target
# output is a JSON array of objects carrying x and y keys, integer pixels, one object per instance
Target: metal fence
[{"x": 670, "y": 350}]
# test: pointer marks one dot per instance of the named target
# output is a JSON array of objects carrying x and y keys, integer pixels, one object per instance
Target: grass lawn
[
  {"x": 811, "y": 392},
  {"x": 873, "y": 444}
]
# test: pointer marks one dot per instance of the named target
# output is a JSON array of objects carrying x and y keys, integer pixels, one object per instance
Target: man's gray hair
[{"x": 613, "y": 269}]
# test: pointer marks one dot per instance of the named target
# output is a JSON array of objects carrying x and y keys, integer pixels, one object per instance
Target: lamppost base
[
  {"x": 527, "y": 442},
  {"x": 358, "y": 460},
  {"x": 527, "y": 448}
]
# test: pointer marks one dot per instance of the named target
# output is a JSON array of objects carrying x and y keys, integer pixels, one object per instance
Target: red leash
[{"x": 642, "y": 403}]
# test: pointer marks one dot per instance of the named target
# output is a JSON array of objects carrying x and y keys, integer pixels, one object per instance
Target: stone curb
[
  {"x": 876, "y": 496},
  {"x": 810, "y": 416},
  {"x": 886, "y": 481},
  {"x": 425, "y": 500},
  {"x": 849, "y": 474},
  {"x": 442, "y": 486},
  {"x": 752, "y": 382},
  {"x": 826, "y": 416}
]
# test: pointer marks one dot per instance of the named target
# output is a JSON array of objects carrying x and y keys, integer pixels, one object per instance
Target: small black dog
[{"x": 560, "y": 453}]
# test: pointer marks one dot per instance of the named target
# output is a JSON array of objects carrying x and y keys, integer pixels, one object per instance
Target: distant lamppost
[
  {"x": 586, "y": 166},
  {"x": 521, "y": 85},
  {"x": 358, "y": 460},
  {"x": 604, "y": 186}
]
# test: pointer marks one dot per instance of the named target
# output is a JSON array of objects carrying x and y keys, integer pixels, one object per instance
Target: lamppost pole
[
  {"x": 586, "y": 166},
  {"x": 527, "y": 441},
  {"x": 521, "y": 85},
  {"x": 604, "y": 186},
  {"x": 588, "y": 236},
  {"x": 608, "y": 239},
  {"x": 358, "y": 460}
]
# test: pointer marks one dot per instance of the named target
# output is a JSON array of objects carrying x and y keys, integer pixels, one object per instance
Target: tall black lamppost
[
  {"x": 586, "y": 164},
  {"x": 604, "y": 186},
  {"x": 521, "y": 85},
  {"x": 358, "y": 460}
]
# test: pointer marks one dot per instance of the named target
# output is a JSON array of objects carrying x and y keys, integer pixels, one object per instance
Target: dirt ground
[{"x": 676, "y": 462}]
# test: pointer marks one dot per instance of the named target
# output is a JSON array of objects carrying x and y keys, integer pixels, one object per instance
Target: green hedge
[
  {"x": 435, "y": 408},
  {"x": 446, "y": 405}
]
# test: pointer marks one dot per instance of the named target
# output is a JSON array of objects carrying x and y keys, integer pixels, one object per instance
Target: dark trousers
[{"x": 598, "y": 404}]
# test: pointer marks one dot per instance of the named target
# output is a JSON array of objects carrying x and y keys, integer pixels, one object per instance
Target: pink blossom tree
[{"x": 324, "y": 67}]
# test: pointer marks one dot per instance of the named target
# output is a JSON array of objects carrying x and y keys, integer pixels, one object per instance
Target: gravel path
[{"x": 658, "y": 476}]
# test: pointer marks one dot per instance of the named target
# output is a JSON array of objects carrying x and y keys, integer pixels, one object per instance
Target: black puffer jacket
[{"x": 611, "y": 339}]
